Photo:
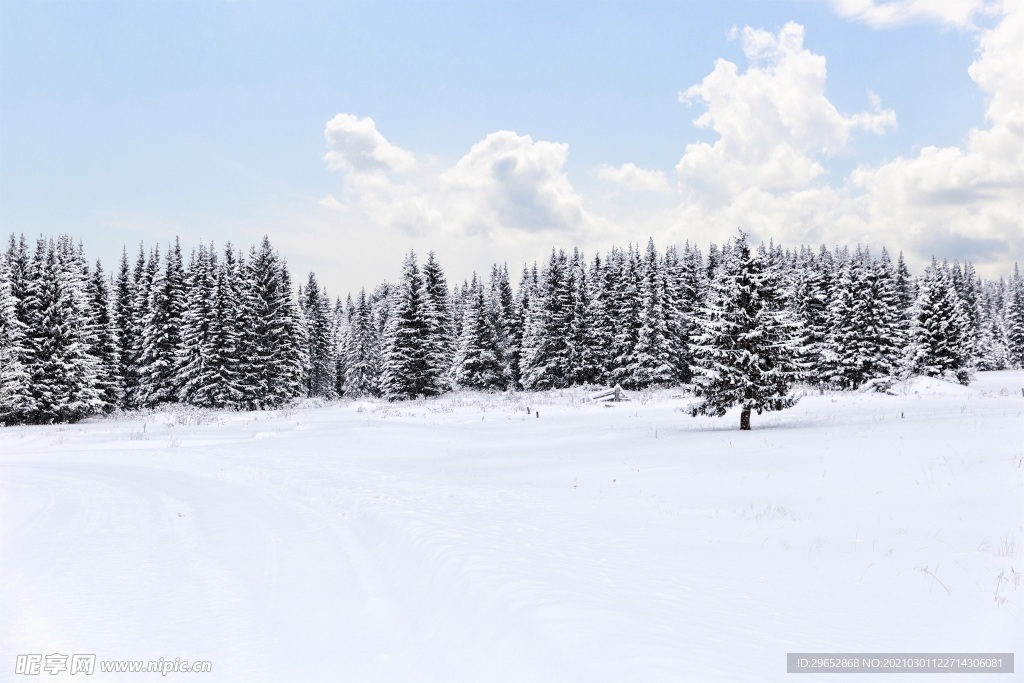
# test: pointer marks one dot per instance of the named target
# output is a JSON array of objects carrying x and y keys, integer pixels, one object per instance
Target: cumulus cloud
[
  {"x": 777, "y": 130},
  {"x": 959, "y": 13},
  {"x": 766, "y": 170},
  {"x": 512, "y": 181},
  {"x": 774, "y": 123},
  {"x": 355, "y": 144},
  {"x": 634, "y": 178},
  {"x": 506, "y": 183},
  {"x": 974, "y": 191}
]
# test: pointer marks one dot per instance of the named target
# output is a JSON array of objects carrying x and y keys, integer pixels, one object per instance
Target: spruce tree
[
  {"x": 1014, "y": 316},
  {"x": 362, "y": 362},
  {"x": 197, "y": 353},
  {"x": 651, "y": 360},
  {"x": 320, "y": 349},
  {"x": 103, "y": 341},
  {"x": 16, "y": 403},
  {"x": 544, "y": 356},
  {"x": 745, "y": 352},
  {"x": 941, "y": 344},
  {"x": 477, "y": 363},
  {"x": 402, "y": 374},
  {"x": 438, "y": 343}
]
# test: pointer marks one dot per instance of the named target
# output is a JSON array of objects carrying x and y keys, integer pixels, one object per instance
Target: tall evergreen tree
[
  {"x": 362, "y": 362},
  {"x": 544, "y": 356},
  {"x": 477, "y": 363},
  {"x": 16, "y": 402},
  {"x": 320, "y": 349},
  {"x": 438, "y": 341},
  {"x": 1015, "y": 318},
  {"x": 103, "y": 340},
  {"x": 941, "y": 344},
  {"x": 745, "y": 352}
]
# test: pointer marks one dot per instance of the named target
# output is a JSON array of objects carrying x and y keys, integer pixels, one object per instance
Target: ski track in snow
[{"x": 464, "y": 539}]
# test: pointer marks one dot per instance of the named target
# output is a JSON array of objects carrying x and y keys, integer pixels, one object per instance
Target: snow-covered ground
[{"x": 465, "y": 539}]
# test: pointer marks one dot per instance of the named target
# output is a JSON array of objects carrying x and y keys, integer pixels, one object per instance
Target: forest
[{"x": 735, "y": 324}]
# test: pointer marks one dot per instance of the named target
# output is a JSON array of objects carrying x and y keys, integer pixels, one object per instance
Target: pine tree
[
  {"x": 501, "y": 305},
  {"x": 1015, "y": 318},
  {"x": 745, "y": 353},
  {"x": 226, "y": 381},
  {"x": 272, "y": 369},
  {"x": 197, "y": 353},
  {"x": 438, "y": 340},
  {"x": 16, "y": 403},
  {"x": 63, "y": 373},
  {"x": 403, "y": 357},
  {"x": 625, "y": 305},
  {"x": 544, "y": 356},
  {"x": 941, "y": 344},
  {"x": 161, "y": 337},
  {"x": 582, "y": 350},
  {"x": 362, "y": 362},
  {"x": 650, "y": 362},
  {"x": 103, "y": 341},
  {"x": 477, "y": 365},
  {"x": 321, "y": 366},
  {"x": 125, "y": 331}
]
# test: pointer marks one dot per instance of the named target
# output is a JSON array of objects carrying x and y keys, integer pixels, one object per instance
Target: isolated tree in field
[{"x": 745, "y": 352}]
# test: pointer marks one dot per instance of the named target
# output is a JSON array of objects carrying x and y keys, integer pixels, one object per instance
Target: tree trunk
[{"x": 745, "y": 419}]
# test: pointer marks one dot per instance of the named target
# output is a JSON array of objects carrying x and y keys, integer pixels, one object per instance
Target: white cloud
[
  {"x": 508, "y": 180},
  {"x": 776, "y": 130},
  {"x": 509, "y": 197},
  {"x": 972, "y": 194},
  {"x": 959, "y": 13},
  {"x": 634, "y": 178},
  {"x": 774, "y": 123},
  {"x": 354, "y": 144}
]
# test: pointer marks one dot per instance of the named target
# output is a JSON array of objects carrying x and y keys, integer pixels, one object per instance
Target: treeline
[{"x": 226, "y": 329}]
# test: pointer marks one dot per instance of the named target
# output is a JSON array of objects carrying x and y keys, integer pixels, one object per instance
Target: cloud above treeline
[{"x": 766, "y": 169}]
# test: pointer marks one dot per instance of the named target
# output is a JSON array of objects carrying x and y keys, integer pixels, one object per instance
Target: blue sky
[{"x": 492, "y": 131}]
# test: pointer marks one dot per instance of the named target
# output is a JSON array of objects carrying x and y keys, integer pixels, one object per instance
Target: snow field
[{"x": 464, "y": 539}]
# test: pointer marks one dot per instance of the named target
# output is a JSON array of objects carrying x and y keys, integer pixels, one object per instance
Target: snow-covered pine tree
[
  {"x": 582, "y": 365},
  {"x": 402, "y": 375},
  {"x": 16, "y": 402},
  {"x": 438, "y": 340},
  {"x": 993, "y": 344},
  {"x": 601, "y": 325},
  {"x": 940, "y": 335},
  {"x": 126, "y": 329},
  {"x": 527, "y": 288},
  {"x": 626, "y": 305},
  {"x": 1014, "y": 316},
  {"x": 161, "y": 337},
  {"x": 62, "y": 370},
  {"x": 227, "y": 390},
  {"x": 745, "y": 353},
  {"x": 320, "y": 350},
  {"x": 477, "y": 365},
  {"x": 544, "y": 356},
  {"x": 683, "y": 291},
  {"x": 651, "y": 360},
  {"x": 342, "y": 328},
  {"x": 501, "y": 310},
  {"x": 103, "y": 340},
  {"x": 197, "y": 354},
  {"x": 362, "y": 363}
]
